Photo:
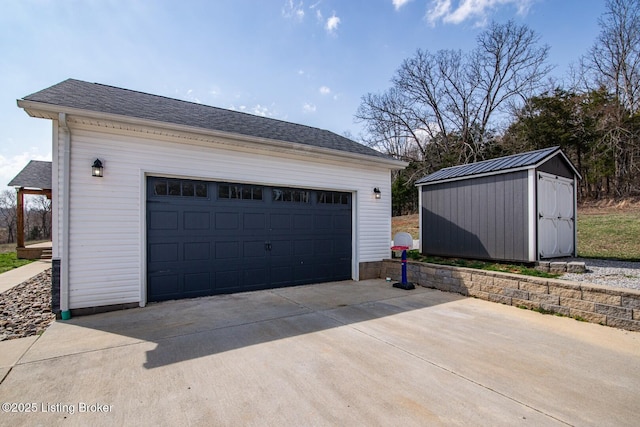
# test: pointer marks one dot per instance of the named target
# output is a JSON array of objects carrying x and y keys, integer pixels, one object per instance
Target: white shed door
[{"x": 556, "y": 216}]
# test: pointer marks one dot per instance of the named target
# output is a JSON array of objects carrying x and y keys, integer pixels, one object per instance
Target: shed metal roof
[
  {"x": 37, "y": 174},
  {"x": 102, "y": 98},
  {"x": 528, "y": 160}
]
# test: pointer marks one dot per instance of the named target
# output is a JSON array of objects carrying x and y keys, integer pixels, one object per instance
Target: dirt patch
[
  {"x": 609, "y": 206},
  {"x": 406, "y": 223}
]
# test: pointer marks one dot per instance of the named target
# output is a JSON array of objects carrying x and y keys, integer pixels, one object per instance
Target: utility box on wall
[{"x": 515, "y": 208}]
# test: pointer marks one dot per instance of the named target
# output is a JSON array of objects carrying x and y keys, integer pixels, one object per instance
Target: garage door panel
[
  {"x": 278, "y": 222},
  {"x": 323, "y": 247},
  {"x": 227, "y": 249},
  {"x": 303, "y": 222},
  {"x": 304, "y": 273},
  {"x": 342, "y": 247},
  {"x": 254, "y": 221},
  {"x": 194, "y": 251},
  {"x": 235, "y": 238},
  {"x": 342, "y": 222},
  {"x": 254, "y": 249},
  {"x": 254, "y": 276},
  {"x": 196, "y": 220},
  {"x": 165, "y": 286},
  {"x": 323, "y": 222},
  {"x": 280, "y": 248},
  {"x": 163, "y": 252},
  {"x": 163, "y": 220},
  {"x": 282, "y": 275},
  {"x": 227, "y": 279},
  {"x": 227, "y": 221},
  {"x": 302, "y": 247},
  {"x": 197, "y": 282}
]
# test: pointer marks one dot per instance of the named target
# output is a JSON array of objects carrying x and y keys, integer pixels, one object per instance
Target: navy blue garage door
[{"x": 207, "y": 238}]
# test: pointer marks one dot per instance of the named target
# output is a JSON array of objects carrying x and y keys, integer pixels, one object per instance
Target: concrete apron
[{"x": 347, "y": 353}]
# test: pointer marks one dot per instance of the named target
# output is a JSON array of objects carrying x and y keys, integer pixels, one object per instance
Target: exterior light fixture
[
  {"x": 97, "y": 169},
  {"x": 376, "y": 193}
]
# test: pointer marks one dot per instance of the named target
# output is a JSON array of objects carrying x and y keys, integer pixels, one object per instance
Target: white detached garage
[{"x": 196, "y": 200}]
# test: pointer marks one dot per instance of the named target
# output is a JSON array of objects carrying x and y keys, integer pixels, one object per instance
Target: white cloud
[
  {"x": 214, "y": 91},
  {"x": 397, "y": 4},
  {"x": 308, "y": 108},
  {"x": 293, "y": 11},
  {"x": 260, "y": 110},
  {"x": 332, "y": 24},
  {"x": 443, "y": 10},
  {"x": 324, "y": 90},
  {"x": 256, "y": 110}
]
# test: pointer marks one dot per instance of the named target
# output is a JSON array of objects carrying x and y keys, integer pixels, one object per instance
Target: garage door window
[
  {"x": 333, "y": 198},
  {"x": 291, "y": 195},
  {"x": 239, "y": 191},
  {"x": 176, "y": 187}
]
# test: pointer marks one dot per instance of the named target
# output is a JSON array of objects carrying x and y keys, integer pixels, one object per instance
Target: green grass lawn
[
  {"x": 9, "y": 261},
  {"x": 614, "y": 235}
]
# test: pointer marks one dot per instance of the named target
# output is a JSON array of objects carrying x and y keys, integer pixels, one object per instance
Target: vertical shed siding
[
  {"x": 477, "y": 218},
  {"x": 107, "y": 228}
]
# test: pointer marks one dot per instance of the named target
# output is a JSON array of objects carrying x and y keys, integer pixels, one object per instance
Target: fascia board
[{"x": 462, "y": 178}]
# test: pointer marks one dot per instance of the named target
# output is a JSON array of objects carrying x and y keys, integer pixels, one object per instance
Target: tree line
[
  {"x": 451, "y": 107},
  {"x": 37, "y": 217}
]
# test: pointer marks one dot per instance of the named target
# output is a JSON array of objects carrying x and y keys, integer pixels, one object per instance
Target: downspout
[{"x": 66, "y": 203}]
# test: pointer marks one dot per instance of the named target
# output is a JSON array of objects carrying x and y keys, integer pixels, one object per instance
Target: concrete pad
[
  {"x": 522, "y": 354},
  {"x": 11, "y": 351},
  {"x": 159, "y": 321},
  {"x": 14, "y": 277},
  {"x": 271, "y": 358}
]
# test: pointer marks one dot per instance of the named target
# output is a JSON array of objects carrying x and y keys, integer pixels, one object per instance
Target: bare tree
[
  {"x": 40, "y": 208},
  {"x": 615, "y": 56},
  {"x": 451, "y": 101},
  {"x": 9, "y": 213},
  {"x": 614, "y": 63}
]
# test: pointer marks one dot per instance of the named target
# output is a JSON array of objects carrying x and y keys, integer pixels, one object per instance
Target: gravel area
[
  {"x": 619, "y": 274},
  {"x": 25, "y": 309}
]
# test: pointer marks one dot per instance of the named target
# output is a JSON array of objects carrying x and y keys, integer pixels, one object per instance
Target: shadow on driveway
[
  {"x": 345, "y": 353},
  {"x": 194, "y": 328}
]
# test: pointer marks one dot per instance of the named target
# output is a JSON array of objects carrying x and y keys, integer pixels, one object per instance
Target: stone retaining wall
[{"x": 615, "y": 307}]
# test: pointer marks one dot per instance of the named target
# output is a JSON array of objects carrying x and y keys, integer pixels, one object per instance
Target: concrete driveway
[{"x": 345, "y": 353}]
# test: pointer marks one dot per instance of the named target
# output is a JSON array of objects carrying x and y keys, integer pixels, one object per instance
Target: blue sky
[{"x": 307, "y": 62}]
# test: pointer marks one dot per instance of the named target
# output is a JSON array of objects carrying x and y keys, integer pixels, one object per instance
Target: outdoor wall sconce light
[
  {"x": 376, "y": 193},
  {"x": 97, "y": 169}
]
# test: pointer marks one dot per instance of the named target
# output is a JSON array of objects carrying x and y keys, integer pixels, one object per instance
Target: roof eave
[
  {"x": 481, "y": 175},
  {"x": 51, "y": 111},
  {"x": 504, "y": 171}
]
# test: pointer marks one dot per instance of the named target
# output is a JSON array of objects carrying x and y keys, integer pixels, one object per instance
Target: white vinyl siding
[{"x": 107, "y": 229}]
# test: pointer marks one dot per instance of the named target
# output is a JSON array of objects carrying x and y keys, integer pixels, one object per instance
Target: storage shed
[{"x": 514, "y": 208}]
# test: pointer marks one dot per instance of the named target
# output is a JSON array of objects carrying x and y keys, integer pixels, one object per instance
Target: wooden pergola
[{"x": 34, "y": 179}]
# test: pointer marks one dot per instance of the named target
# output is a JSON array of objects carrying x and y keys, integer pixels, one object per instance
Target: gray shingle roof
[
  {"x": 113, "y": 100},
  {"x": 499, "y": 165},
  {"x": 36, "y": 174}
]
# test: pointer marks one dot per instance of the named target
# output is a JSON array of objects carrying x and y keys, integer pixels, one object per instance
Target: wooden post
[{"x": 20, "y": 223}]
